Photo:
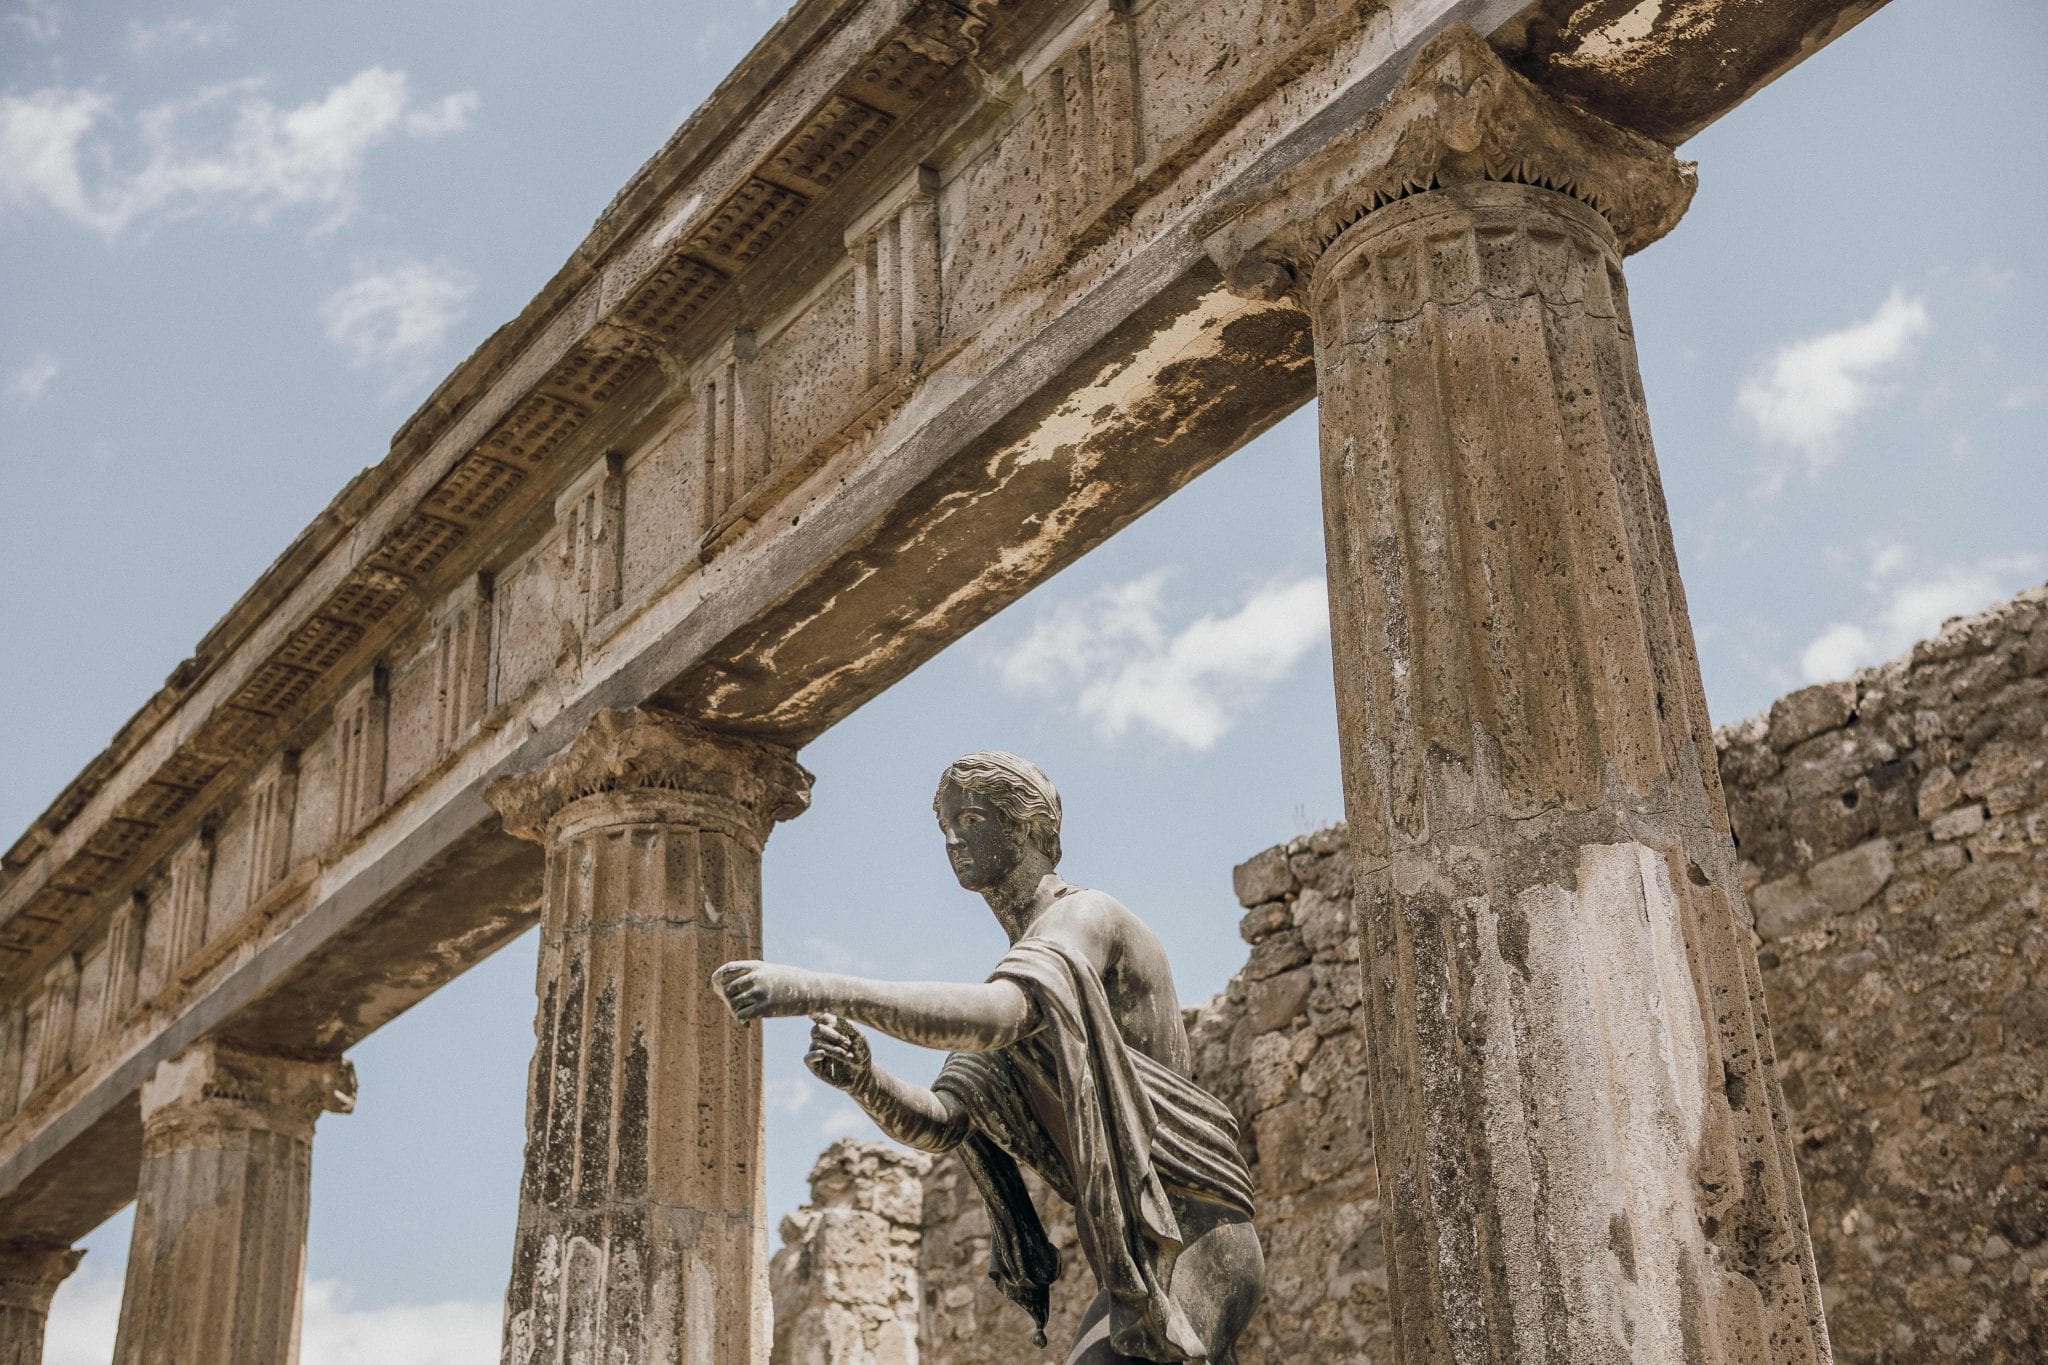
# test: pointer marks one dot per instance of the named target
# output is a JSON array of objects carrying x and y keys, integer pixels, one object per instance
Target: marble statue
[{"x": 1070, "y": 1059}]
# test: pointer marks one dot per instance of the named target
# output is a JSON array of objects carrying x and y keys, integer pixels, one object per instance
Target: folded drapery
[{"x": 1134, "y": 1129}]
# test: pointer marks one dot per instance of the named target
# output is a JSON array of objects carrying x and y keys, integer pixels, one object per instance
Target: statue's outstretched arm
[
  {"x": 913, "y": 1115},
  {"x": 953, "y": 1016}
]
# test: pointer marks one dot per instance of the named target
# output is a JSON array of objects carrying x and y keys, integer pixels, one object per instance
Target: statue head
[{"x": 993, "y": 806}]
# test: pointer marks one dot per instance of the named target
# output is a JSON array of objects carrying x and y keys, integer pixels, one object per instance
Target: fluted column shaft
[
  {"x": 642, "y": 1224},
  {"x": 1582, "y": 1147},
  {"x": 29, "y": 1277},
  {"x": 216, "y": 1263},
  {"x": 1572, "y": 1072}
]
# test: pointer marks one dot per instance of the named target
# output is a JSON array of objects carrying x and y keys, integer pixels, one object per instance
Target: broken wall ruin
[{"x": 1894, "y": 835}]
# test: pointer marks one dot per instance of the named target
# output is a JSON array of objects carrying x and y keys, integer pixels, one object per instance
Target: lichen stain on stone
[
  {"x": 593, "y": 1138},
  {"x": 633, "y": 1155}
]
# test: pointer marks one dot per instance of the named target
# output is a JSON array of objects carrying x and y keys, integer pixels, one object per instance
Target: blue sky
[{"x": 240, "y": 246}]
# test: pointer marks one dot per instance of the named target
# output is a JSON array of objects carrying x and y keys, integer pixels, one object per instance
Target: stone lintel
[
  {"x": 646, "y": 750},
  {"x": 1459, "y": 115},
  {"x": 211, "y": 1090}
]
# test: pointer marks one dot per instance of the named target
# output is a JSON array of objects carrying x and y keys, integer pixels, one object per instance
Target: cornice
[
  {"x": 1458, "y": 115},
  {"x": 654, "y": 284}
]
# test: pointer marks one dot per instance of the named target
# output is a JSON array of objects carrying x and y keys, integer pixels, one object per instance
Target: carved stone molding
[
  {"x": 210, "y": 1091},
  {"x": 1458, "y": 116},
  {"x": 622, "y": 751},
  {"x": 29, "y": 1276}
]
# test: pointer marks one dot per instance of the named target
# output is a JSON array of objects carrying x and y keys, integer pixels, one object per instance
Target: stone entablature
[{"x": 672, "y": 476}]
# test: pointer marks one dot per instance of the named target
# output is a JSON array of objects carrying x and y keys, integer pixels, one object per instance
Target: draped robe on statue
[{"x": 1133, "y": 1129}]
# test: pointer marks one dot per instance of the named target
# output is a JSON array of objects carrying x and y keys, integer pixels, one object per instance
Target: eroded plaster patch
[{"x": 1614, "y": 39}]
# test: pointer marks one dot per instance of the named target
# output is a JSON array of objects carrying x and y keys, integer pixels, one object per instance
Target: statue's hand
[
  {"x": 763, "y": 990},
  {"x": 839, "y": 1055}
]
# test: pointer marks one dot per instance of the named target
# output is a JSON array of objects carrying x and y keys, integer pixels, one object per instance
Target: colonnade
[{"x": 1583, "y": 1149}]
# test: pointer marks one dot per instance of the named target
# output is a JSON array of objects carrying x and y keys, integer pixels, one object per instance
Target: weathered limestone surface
[
  {"x": 216, "y": 1264},
  {"x": 1894, "y": 831},
  {"x": 1580, "y": 1139},
  {"x": 1904, "y": 955},
  {"x": 906, "y": 318},
  {"x": 642, "y": 1232},
  {"x": 29, "y": 1277},
  {"x": 846, "y": 1282}
]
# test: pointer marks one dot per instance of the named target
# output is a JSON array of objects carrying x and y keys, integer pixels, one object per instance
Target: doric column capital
[
  {"x": 209, "y": 1092},
  {"x": 29, "y": 1275},
  {"x": 640, "y": 751},
  {"x": 1458, "y": 116}
]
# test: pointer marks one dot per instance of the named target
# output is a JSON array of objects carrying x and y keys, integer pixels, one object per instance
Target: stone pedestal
[
  {"x": 642, "y": 1227},
  {"x": 29, "y": 1277},
  {"x": 1581, "y": 1143},
  {"x": 216, "y": 1266}
]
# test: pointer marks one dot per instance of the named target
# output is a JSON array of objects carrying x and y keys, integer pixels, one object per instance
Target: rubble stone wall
[
  {"x": 846, "y": 1283},
  {"x": 1894, "y": 831}
]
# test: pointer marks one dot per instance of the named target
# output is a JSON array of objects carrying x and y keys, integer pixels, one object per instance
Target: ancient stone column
[
  {"x": 1582, "y": 1146},
  {"x": 29, "y": 1277},
  {"x": 642, "y": 1222},
  {"x": 216, "y": 1264}
]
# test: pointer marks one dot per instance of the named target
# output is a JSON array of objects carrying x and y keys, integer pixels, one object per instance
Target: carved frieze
[
  {"x": 462, "y": 663},
  {"x": 89, "y": 1014},
  {"x": 590, "y": 517},
  {"x": 732, "y": 428},
  {"x": 1084, "y": 107},
  {"x": 273, "y": 799},
  {"x": 187, "y": 890},
  {"x": 125, "y": 943},
  {"x": 895, "y": 250},
  {"x": 60, "y": 1009},
  {"x": 359, "y": 748}
]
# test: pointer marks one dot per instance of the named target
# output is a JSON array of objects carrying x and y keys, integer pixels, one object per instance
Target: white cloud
[
  {"x": 175, "y": 34},
  {"x": 87, "y": 1311},
  {"x": 2022, "y": 396},
  {"x": 1992, "y": 278},
  {"x": 453, "y": 1332},
  {"x": 788, "y": 1094},
  {"x": 29, "y": 383},
  {"x": 845, "y": 1119},
  {"x": 41, "y": 136},
  {"x": 41, "y": 20},
  {"x": 1113, "y": 658},
  {"x": 1809, "y": 391},
  {"x": 833, "y": 956},
  {"x": 396, "y": 318},
  {"x": 1904, "y": 610},
  {"x": 225, "y": 148}
]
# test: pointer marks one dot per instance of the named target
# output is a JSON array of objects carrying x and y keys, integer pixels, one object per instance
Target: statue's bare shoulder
[{"x": 1132, "y": 963}]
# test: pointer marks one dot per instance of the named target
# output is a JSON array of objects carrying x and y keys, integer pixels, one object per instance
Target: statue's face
[{"x": 982, "y": 843}]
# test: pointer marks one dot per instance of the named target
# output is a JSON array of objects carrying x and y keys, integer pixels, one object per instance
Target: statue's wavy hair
[{"x": 1013, "y": 785}]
